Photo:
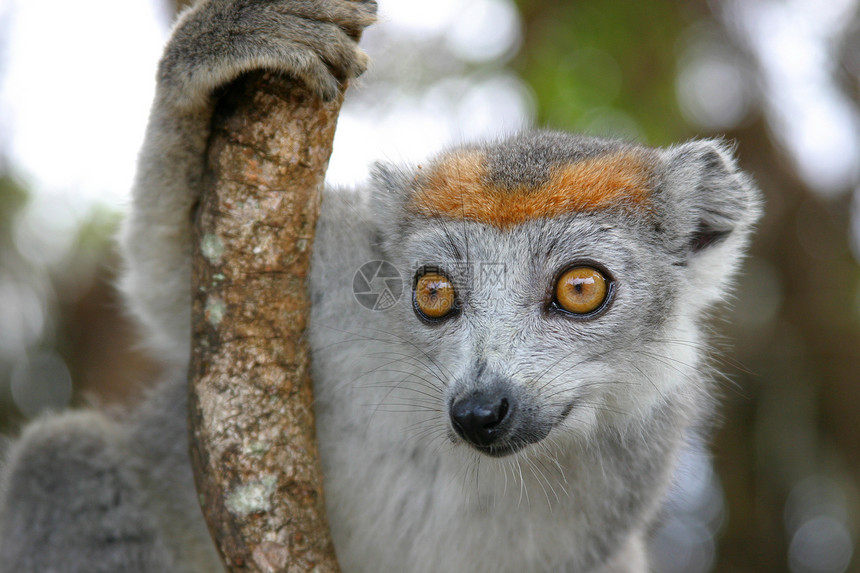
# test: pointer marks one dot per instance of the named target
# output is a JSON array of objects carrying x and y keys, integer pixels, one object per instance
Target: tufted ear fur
[
  {"x": 390, "y": 189},
  {"x": 708, "y": 208}
]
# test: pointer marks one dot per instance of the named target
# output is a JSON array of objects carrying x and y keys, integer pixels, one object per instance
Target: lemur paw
[{"x": 218, "y": 40}]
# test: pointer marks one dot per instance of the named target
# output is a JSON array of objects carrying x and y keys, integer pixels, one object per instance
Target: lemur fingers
[{"x": 217, "y": 41}]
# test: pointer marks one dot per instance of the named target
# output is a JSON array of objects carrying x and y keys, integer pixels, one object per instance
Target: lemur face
[
  {"x": 556, "y": 280},
  {"x": 537, "y": 325}
]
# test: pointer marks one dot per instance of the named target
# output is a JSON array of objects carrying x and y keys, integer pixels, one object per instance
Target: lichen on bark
[{"x": 253, "y": 439}]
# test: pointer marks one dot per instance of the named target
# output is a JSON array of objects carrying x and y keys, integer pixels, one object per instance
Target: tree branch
[{"x": 253, "y": 439}]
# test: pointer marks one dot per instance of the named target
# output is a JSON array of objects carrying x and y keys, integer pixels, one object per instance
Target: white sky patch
[
  {"x": 421, "y": 18},
  {"x": 485, "y": 29},
  {"x": 79, "y": 79},
  {"x": 76, "y": 91},
  {"x": 413, "y": 129},
  {"x": 712, "y": 90}
]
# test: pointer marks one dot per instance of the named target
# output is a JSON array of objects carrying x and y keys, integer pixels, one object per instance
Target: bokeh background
[{"x": 779, "y": 489}]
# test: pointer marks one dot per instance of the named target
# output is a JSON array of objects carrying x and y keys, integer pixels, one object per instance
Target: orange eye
[
  {"x": 434, "y": 295},
  {"x": 581, "y": 290}
]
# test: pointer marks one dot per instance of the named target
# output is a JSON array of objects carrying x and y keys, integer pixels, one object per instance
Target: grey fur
[{"x": 613, "y": 398}]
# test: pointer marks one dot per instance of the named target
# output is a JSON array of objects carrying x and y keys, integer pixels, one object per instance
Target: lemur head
[{"x": 559, "y": 281}]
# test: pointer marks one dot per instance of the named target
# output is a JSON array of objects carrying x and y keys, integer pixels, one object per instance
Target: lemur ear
[
  {"x": 708, "y": 208},
  {"x": 390, "y": 185}
]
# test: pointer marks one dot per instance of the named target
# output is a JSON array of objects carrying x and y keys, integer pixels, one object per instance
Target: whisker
[
  {"x": 411, "y": 376},
  {"x": 413, "y": 359},
  {"x": 403, "y": 386},
  {"x": 402, "y": 340}
]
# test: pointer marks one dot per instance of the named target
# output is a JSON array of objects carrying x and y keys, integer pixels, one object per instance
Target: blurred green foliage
[{"x": 608, "y": 67}]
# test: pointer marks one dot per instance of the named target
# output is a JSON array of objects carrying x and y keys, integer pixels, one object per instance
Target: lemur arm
[{"x": 212, "y": 44}]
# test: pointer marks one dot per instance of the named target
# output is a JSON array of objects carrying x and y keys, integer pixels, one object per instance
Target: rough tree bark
[{"x": 252, "y": 429}]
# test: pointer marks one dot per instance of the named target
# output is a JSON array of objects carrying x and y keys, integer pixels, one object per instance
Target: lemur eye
[
  {"x": 434, "y": 295},
  {"x": 581, "y": 290}
]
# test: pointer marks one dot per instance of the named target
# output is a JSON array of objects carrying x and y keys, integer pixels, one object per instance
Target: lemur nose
[{"x": 478, "y": 417}]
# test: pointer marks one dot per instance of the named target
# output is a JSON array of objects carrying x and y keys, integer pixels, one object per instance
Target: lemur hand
[{"x": 218, "y": 40}]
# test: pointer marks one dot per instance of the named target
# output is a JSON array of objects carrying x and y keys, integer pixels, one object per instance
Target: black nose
[{"x": 479, "y": 417}]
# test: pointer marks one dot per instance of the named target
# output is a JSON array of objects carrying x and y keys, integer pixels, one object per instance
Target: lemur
[{"x": 518, "y": 409}]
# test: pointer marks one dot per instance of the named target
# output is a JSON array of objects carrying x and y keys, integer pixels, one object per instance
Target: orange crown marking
[{"x": 458, "y": 188}]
